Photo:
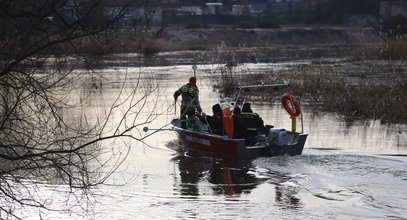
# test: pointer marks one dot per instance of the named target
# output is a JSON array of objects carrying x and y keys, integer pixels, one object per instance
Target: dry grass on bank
[
  {"x": 387, "y": 50},
  {"x": 125, "y": 42},
  {"x": 354, "y": 101},
  {"x": 324, "y": 88},
  {"x": 145, "y": 42}
]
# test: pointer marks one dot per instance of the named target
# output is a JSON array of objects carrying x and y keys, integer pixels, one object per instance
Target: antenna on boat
[{"x": 194, "y": 68}]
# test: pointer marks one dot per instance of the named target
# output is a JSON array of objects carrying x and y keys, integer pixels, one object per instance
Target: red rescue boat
[{"x": 273, "y": 142}]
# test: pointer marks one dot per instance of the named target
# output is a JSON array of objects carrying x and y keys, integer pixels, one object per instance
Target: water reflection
[
  {"x": 315, "y": 185},
  {"x": 285, "y": 179},
  {"x": 230, "y": 178},
  {"x": 203, "y": 176},
  {"x": 286, "y": 196}
]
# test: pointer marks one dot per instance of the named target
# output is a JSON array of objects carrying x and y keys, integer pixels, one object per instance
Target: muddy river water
[{"x": 347, "y": 171}]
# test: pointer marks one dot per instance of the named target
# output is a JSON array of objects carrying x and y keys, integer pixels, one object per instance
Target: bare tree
[{"x": 44, "y": 135}]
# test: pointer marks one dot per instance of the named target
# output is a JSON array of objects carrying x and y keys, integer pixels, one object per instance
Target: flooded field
[{"x": 348, "y": 170}]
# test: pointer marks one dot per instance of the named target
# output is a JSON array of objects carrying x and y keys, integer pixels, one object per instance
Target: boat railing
[{"x": 239, "y": 90}]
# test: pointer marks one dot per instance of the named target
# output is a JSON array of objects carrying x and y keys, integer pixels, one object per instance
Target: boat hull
[{"x": 205, "y": 143}]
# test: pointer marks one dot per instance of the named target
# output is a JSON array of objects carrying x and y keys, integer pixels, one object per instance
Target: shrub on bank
[
  {"x": 245, "y": 25},
  {"x": 364, "y": 100},
  {"x": 394, "y": 27},
  {"x": 387, "y": 50},
  {"x": 268, "y": 24},
  {"x": 328, "y": 89},
  {"x": 394, "y": 45},
  {"x": 248, "y": 25},
  {"x": 197, "y": 26}
]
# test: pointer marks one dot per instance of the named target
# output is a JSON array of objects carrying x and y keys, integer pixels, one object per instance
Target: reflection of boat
[
  {"x": 231, "y": 178},
  {"x": 276, "y": 141},
  {"x": 225, "y": 176}
]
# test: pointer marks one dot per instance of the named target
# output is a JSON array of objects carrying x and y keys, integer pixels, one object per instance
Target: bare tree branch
[{"x": 46, "y": 136}]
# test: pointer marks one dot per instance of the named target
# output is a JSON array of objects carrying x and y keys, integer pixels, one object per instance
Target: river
[{"x": 348, "y": 170}]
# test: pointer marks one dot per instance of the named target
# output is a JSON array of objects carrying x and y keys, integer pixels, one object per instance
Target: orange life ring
[{"x": 292, "y": 111}]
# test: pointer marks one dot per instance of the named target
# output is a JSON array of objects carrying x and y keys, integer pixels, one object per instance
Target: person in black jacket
[
  {"x": 239, "y": 126},
  {"x": 254, "y": 123},
  {"x": 215, "y": 122}
]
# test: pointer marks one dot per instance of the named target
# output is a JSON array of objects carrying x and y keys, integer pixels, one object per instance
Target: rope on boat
[
  {"x": 146, "y": 129},
  {"x": 209, "y": 126},
  {"x": 183, "y": 114}
]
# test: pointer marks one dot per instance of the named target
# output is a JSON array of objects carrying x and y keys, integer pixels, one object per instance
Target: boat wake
[{"x": 365, "y": 184}]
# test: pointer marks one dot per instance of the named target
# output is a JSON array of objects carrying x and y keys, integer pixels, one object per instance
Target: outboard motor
[{"x": 278, "y": 136}]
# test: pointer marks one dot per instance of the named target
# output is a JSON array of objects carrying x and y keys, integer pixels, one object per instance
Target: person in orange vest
[
  {"x": 190, "y": 100},
  {"x": 227, "y": 121}
]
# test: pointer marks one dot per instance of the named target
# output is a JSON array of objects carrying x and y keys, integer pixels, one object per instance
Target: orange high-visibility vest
[{"x": 227, "y": 121}]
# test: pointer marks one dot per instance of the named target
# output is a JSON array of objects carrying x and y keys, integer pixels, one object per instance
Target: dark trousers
[{"x": 184, "y": 117}]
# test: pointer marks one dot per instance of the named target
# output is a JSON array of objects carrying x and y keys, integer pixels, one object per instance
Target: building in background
[
  {"x": 214, "y": 8},
  {"x": 181, "y": 12}
]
